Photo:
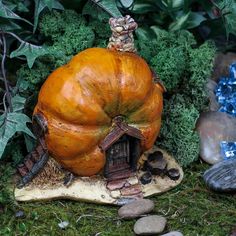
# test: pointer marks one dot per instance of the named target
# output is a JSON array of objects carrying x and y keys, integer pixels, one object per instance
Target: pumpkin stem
[{"x": 122, "y": 34}]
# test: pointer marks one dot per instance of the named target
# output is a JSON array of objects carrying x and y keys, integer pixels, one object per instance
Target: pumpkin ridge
[
  {"x": 136, "y": 82},
  {"x": 118, "y": 76}
]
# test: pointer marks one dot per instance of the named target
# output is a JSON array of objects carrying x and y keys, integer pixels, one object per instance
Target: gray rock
[
  {"x": 150, "y": 225},
  {"x": 136, "y": 208},
  {"x": 173, "y": 233},
  {"x": 221, "y": 177},
  {"x": 213, "y": 105},
  {"x": 214, "y": 127},
  {"x": 221, "y": 65},
  {"x": 20, "y": 214}
]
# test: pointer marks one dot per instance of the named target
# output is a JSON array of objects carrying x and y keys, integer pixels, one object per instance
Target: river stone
[
  {"x": 136, "y": 208},
  {"x": 221, "y": 64},
  {"x": 214, "y": 127},
  {"x": 221, "y": 177},
  {"x": 150, "y": 225},
  {"x": 173, "y": 233},
  {"x": 213, "y": 103}
]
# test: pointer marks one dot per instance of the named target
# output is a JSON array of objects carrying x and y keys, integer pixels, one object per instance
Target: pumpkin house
[{"x": 101, "y": 111}]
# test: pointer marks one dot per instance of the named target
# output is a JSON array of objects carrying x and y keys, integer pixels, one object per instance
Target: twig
[
  {"x": 8, "y": 95},
  {"x": 15, "y": 36}
]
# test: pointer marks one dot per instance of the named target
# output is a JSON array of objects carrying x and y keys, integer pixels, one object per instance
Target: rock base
[{"x": 96, "y": 189}]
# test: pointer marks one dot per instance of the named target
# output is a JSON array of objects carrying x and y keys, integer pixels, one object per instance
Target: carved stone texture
[
  {"x": 49, "y": 185},
  {"x": 173, "y": 174},
  {"x": 122, "y": 34},
  {"x": 146, "y": 178},
  {"x": 221, "y": 177},
  {"x": 156, "y": 163}
]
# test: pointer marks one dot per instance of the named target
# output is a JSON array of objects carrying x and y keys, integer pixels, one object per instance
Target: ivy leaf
[
  {"x": 228, "y": 8},
  {"x": 30, "y": 51},
  {"x": 40, "y": 5},
  {"x": 187, "y": 21},
  {"x": 7, "y": 13},
  {"x": 109, "y": 6},
  {"x": 143, "y": 7},
  {"x": 12, "y": 123},
  {"x": 8, "y": 25},
  {"x": 179, "y": 23},
  {"x": 145, "y": 33},
  {"x": 18, "y": 103},
  {"x": 194, "y": 20},
  {"x": 126, "y": 3}
]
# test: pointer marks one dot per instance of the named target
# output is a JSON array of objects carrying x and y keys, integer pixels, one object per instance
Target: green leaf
[
  {"x": 194, "y": 20},
  {"x": 179, "y": 23},
  {"x": 177, "y": 4},
  {"x": 40, "y": 5},
  {"x": 142, "y": 8},
  {"x": 10, "y": 124},
  {"x": 18, "y": 103},
  {"x": 145, "y": 33},
  {"x": 126, "y": 3},
  {"x": 109, "y": 6},
  {"x": 229, "y": 15},
  {"x": 157, "y": 30},
  {"x": 7, "y": 13},
  {"x": 8, "y": 25},
  {"x": 21, "y": 7},
  {"x": 187, "y": 21},
  {"x": 30, "y": 51}
]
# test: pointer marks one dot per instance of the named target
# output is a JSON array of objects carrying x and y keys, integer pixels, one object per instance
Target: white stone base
[{"x": 93, "y": 189}]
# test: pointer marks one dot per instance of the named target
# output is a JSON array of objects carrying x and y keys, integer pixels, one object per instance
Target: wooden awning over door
[{"x": 117, "y": 132}]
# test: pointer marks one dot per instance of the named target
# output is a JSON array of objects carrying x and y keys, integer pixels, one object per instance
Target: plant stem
[
  {"x": 8, "y": 95},
  {"x": 15, "y": 36}
]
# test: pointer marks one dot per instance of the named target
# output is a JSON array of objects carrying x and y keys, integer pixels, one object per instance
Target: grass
[{"x": 190, "y": 208}]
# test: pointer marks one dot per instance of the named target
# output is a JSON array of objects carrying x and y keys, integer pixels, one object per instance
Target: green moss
[
  {"x": 184, "y": 69},
  {"x": 101, "y": 27},
  {"x": 174, "y": 39},
  {"x": 145, "y": 50},
  {"x": 164, "y": 41},
  {"x": 54, "y": 24},
  {"x": 170, "y": 65},
  {"x": 68, "y": 35},
  {"x": 74, "y": 40},
  {"x": 177, "y": 132},
  {"x": 189, "y": 208},
  {"x": 200, "y": 67},
  {"x": 29, "y": 80}
]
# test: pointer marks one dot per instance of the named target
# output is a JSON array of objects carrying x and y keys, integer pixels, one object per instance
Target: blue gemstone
[
  {"x": 226, "y": 92},
  {"x": 228, "y": 150}
]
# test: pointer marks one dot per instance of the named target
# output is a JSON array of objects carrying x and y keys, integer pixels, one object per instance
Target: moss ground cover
[{"x": 190, "y": 208}]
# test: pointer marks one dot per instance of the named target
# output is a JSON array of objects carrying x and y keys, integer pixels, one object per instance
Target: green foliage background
[
  {"x": 177, "y": 39},
  {"x": 174, "y": 55},
  {"x": 181, "y": 65}
]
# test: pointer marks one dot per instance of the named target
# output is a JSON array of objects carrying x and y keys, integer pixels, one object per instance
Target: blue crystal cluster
[
  {"x": 228, "y": 150},
  {"x": 226, "y": 92},
  {"x": 226, "y": 96}
]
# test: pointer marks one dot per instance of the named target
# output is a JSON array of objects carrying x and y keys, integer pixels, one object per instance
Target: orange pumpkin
[{"x": 80, "y": 100}]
